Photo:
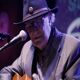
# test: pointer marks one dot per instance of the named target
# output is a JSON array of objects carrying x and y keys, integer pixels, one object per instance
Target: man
[{"x": 50, "y": 54}]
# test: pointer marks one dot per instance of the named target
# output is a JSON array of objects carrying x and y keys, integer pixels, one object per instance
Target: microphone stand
[
  {"x": 3, "y": 47},
  {"x": 9, "y": 44}
]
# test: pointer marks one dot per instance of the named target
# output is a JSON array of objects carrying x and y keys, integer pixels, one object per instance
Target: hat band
[{"x": 36, "y": 12}]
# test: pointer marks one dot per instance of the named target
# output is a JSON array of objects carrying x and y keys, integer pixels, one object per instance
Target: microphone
[{"x": 22, "y": 36}]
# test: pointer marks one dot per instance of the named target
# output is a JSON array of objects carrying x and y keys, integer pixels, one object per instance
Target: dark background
[
  {"x": 13, "y": 9},
  {"x": 67, "y": 21}
]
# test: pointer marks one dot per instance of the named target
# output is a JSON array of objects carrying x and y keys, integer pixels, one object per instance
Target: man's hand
[{"x": 35, "y": 77}]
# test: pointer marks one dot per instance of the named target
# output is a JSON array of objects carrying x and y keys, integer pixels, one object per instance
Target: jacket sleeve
[
  {"x": 18, "y": 65},
  {"x": 77, "y": 63},
  {"x": 7, "y": 72}
]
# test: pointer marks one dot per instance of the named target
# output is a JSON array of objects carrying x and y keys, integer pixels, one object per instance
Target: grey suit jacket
[{"x": 23, "y": 64}]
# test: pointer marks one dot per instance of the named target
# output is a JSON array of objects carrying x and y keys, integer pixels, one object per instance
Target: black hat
[{"x": 35, "y": 8}]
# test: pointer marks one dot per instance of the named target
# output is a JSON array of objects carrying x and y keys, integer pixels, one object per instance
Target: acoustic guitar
[{"x": 18, "y": 77}]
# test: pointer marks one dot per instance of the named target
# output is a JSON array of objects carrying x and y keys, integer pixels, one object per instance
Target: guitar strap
[{"x": 34, "y": 62}]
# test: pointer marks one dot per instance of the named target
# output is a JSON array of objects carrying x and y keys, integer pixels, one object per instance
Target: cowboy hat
[{"x": 35, "y": 8}]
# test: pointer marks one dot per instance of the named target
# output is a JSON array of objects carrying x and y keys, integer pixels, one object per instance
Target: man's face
[{"x": 39, "y": 31}]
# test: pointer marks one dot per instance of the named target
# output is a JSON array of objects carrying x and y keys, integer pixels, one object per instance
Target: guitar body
[{"x": 18, "y": 77}]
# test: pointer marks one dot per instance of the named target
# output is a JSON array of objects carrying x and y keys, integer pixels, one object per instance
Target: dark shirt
[{"x": 47, "y": 55}]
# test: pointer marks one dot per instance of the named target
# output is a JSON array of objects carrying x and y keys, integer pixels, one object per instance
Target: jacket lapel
[{"x": 69, "y": 46}]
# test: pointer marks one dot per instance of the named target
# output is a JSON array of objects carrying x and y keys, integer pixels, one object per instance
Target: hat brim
[{"x": 35, "y": 15}]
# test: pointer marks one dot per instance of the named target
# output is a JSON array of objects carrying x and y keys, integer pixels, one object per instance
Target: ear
[{"x": 52, "y": 19}]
